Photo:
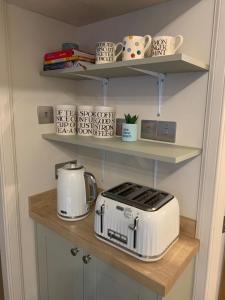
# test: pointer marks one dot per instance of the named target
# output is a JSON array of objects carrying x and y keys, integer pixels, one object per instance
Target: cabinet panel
[
  {"x": 41, "y": 262},
  {"x": 102, "y": 281},
  {"x": 64, "y": 276},
  {"x": 64, "y": 271}
]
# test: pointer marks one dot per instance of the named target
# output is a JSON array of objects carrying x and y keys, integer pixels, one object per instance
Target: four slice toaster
[{"x": 139, "y": 220}]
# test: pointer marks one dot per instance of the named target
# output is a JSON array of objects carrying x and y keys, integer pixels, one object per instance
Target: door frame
[
  {"x": 211, "y": 204},
  {"x": 10, "y": 230}
]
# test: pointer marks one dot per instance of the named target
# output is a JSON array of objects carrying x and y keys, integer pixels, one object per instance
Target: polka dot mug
[{"x": 135, "y": 47}]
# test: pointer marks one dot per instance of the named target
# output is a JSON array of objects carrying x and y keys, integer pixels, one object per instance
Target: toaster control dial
[
  {"x": 128, "y": 213},
  {"x": 74, "y": 251}
]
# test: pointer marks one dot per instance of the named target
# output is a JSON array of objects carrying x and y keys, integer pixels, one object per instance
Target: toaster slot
[
  {"x": 158, "y": 200},
  {"x": 119, "y": 188},
  {"x": 127, "y": 192},
  {"x": 145, "y": 196}
]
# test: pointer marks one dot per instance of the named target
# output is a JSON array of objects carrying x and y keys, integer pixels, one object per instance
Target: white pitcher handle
[
  {"x": 179, "y": 39},
  {"x": 148, "y": 41},
  {"x": 118, "y": 54}
]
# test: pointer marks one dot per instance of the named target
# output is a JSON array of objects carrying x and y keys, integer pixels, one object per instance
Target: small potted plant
[{"x": 129, "y": 128}]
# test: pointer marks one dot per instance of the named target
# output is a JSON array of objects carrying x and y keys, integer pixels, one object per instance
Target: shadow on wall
[
  {"x": 133, "y": 88},
  {"x": 118, "y": 160},
  {"x": 155, "y": 18}
]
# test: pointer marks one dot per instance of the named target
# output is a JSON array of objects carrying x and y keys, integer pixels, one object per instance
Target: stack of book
[{"x": 67, "y": 58}]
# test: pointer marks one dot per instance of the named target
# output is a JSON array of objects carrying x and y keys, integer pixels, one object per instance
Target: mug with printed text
[
  {"x": 166, "y": 45},
  {"x": 107, "y": 52},
  {"x": 85, "y": 120},
  {"x": 135, "y": 47},
  {"x": 104, "y": 122},
  {"x": 65, "y": 119}
]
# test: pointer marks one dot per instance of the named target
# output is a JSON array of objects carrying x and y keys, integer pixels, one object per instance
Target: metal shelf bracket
[
  {"x": 160, "y": 82},
  {"x": 105, "y": 85},
  {"x": 155, "y": 174}
]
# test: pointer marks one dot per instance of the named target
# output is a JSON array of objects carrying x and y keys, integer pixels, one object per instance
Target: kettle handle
[{"x": 94, "y": 191}]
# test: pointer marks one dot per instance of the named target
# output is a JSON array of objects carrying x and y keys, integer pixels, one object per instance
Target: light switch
[
  {"x": 166, "y": 131},
  {"x": 45, "y": 114},
  {"x": 119, "y": 122},
  {"x": 148, "y": 129}
]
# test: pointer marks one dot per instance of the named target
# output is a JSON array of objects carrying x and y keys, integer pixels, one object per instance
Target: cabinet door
[
  {"x": 101, "y": 282},
  {"x": 64, "y": 272}
]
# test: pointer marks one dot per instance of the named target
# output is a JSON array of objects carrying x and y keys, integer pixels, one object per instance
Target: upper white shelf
[
  {"x": 165, "y": 152},
  {"x": 178, "y": 63}
]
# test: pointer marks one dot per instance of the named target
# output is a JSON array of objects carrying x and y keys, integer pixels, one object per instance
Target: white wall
[
  {"x": 31, "y": 35},
  {"x": 184, "y": 97},
  {"x": 184, "y": 102}
]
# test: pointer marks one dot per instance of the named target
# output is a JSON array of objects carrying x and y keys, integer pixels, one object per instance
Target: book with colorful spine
[
  {"x": 67, "y": 58},
  {"x": 66, "y": 65},
  {"x": 67, "y": 53}
]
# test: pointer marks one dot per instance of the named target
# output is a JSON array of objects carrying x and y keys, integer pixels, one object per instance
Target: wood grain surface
[{"x": 159, "y": 276}]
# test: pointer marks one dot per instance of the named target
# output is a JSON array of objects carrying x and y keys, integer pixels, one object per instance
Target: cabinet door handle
[
  {"x": 74, "y": 251},
  {"x": 86, "y": 258}
]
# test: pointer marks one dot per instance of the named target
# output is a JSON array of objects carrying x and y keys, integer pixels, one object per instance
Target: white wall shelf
[
  {"x": 160, "y": 151},
  {"x": 178, "y": 63}
]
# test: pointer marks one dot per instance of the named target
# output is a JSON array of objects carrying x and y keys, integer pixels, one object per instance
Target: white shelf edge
[{"x": 97, "y": 144}]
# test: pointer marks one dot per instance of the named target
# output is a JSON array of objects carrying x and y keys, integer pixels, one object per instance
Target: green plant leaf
[{"x": 130, "y": 119}]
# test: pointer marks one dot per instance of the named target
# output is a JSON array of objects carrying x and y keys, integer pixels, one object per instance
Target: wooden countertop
[{"x": 159, "y": 276}]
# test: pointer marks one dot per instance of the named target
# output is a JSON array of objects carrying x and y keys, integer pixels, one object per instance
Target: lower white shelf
[{"x": 160, "y": 151}]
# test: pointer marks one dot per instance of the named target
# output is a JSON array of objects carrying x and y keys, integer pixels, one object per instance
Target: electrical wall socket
[
  {"x": 166, "y": 131},
  {"x": 119, "y": 122},
  {"x": 148, "y": 129},
  {"x": 158, "y": 130},
  {"x": 45, "y": 114}
]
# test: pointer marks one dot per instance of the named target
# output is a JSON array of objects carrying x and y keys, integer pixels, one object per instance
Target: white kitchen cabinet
[
  {"x": 64, "y": 276},
  {"x": 60, "y": 273},
  {"x": 102, "y": 281}
]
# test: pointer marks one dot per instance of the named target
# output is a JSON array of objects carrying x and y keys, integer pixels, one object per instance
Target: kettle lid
[{"x": 72, "y": 166}]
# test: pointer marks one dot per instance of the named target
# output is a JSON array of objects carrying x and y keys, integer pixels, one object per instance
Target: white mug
[
  {"x": 85, "y": 120},
  {"x": 166, "y": 45},
  {"x": 66, "y": 119},
  {"x": 135, "y": 47},
  {"x": 106, "y": 52}
]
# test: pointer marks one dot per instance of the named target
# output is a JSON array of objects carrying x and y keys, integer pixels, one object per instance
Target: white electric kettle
[{"x": 76, "y": 191}]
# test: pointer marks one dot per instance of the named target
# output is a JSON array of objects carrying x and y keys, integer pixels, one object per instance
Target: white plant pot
[{"x": 129, "y": 132}]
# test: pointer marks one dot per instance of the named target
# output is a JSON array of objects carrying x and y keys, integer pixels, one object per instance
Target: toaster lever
[
  {"x": 101, "y": 213},
  {"x": 133, "y": 227}
]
